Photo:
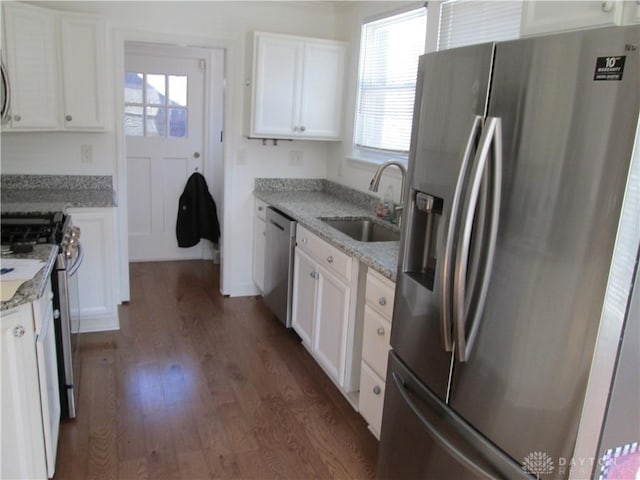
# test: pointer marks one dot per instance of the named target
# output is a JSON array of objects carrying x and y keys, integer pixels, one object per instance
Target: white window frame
[{"x": 363, "y": 154}]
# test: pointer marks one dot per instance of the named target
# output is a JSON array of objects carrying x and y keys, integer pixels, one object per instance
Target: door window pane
[
  {"x": 133, "y": 125},
  {"x": 178, "y": 90},
  {"x": 156, "y": 88},
  {"x": 155, "y": 121},
  {"x": 133, "y": 87},
  {"x": 177, "y": 122}
]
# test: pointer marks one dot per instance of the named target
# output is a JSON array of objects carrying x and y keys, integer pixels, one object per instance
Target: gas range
[{"x": 19, "y": 231}]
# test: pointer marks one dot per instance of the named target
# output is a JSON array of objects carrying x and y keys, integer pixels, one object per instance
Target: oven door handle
[{"x": 72, "y": 270}]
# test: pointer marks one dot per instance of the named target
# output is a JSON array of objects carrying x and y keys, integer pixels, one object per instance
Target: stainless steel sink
[{"x": 364, "y": 230}]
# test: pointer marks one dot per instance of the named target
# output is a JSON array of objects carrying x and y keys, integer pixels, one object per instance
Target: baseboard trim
[{"x": 103, "y": 323}]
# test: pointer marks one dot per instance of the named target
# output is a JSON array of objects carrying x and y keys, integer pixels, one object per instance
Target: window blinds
[
  {"x": 387, "y": 80},
  {"x": 466, "y": 22}
]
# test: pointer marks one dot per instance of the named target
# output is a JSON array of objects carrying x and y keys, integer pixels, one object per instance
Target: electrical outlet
[
  {"x": 86, "y": 153},
  {"x": 295, "y": 158}
]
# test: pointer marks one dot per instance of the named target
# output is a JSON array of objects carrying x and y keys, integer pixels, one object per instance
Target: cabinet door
[
  {"x": 331, "y": 324},
  {"x": 276, "y": 86},
  {"x": 83, "y": 72},
  {"x": 96, "y": 275},
  {"x": 48, "y": 378},
  {"x": 322, "y": 86},
  {"x": 258, "y": 251},
  {"x": 31, "y": 62},
  {"x": 23, "y": 454},
  {"x": 547, "y": 17},
  {"x": 304, "y": 296}
]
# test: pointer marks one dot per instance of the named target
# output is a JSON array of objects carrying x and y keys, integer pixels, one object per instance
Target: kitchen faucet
[{"x": 375, "y": 184}]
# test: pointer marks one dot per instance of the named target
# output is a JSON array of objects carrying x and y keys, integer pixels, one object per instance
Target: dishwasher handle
[{"x": 276, "y": 224}]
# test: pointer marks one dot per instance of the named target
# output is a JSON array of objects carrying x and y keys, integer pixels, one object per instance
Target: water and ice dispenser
[{"x": 424, "y": 219}]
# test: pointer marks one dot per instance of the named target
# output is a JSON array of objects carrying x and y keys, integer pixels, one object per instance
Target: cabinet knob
[
  {"x": 377, "y": 390},
  {"x": 303, "y": 128},
  {"x": 382, "y": 301},
  {"x": 330, "y": 259},
  {"x": 314, "y": 275},
  {"x": 260, "y": 209},
  {"x": 607, "y": 7},
  {"x": 68, "y": 118},
  {"x": 17, "y": 118},
  {"x": 380, "y": 331},
  {"x": 18, "y": 331},
  {"x": 303, "y": 240}
]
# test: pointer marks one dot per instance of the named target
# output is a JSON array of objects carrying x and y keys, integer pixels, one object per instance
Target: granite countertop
[
  {"x": 306, "y": 205},
  {"x": 50, "y": 193},
  {"x": 33, "y": 289}
]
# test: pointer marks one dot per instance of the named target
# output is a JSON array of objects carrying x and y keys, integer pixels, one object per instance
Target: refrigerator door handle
[
  {"x": 446, "y": 298},
  {"x": 435, "y": 433},
  {"x": 490, "y": 143}
]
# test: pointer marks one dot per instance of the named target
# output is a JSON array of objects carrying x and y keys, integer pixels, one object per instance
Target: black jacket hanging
[{"x": 197, "y": 216}]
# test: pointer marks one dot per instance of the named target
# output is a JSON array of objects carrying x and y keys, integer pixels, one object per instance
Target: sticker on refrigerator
[{"x": 609, "y": 68}]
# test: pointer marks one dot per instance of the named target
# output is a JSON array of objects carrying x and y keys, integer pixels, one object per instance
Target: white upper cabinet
[
  {"x": 322, "y": 82},
  {"x": 83, "y": 57},
  {"x": 546, "y": 17},
  {"x": 31, "y": 57},
  {"x": 296, "y": 87},
  {"x": 56, "y": 69}
]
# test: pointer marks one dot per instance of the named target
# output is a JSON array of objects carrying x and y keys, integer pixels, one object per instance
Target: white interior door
[{"x": 164, "y": 128}]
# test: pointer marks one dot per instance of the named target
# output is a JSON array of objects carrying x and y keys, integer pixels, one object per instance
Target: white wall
[{"x": 208, "y": 24}]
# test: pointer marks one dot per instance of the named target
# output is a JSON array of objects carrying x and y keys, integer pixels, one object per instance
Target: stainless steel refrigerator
[{"x": 520, "y": 172}]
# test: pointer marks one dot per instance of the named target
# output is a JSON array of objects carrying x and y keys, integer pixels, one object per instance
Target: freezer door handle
[
  {"x": 435, "y": 433},
  {"x": 448, "y": 260},
  {"x": 482, "y": 226}
]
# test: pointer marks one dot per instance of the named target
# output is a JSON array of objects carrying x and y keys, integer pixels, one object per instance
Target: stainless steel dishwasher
[{"x": 278, "y": 264}]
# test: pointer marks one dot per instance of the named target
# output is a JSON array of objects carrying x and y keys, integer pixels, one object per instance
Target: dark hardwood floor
[{"x": 195, "y": 385}]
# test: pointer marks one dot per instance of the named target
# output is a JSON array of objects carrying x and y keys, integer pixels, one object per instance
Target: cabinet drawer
[
  {"x": 260, "y": 209},
  {"x": 379, "y": 294},
  {"x": 371, "y": 398},
  {"x": 325, "y": 254},
  {"x": 375, "y": 341}
]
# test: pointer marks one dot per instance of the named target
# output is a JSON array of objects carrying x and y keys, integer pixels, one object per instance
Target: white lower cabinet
[
  {"x": 378, "y": 311},
  {"x": 304, "y": 296},
  {"x": 29, "y": 395},
  {"x": 324, "y": 303},
  {"x": 97, "y": 286},
  {"x": 259, "y": 237}
]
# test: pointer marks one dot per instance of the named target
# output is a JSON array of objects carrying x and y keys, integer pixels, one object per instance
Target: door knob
[
  {"x": 196, "y": 154},
  {"x": 68, "y": 118}
]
